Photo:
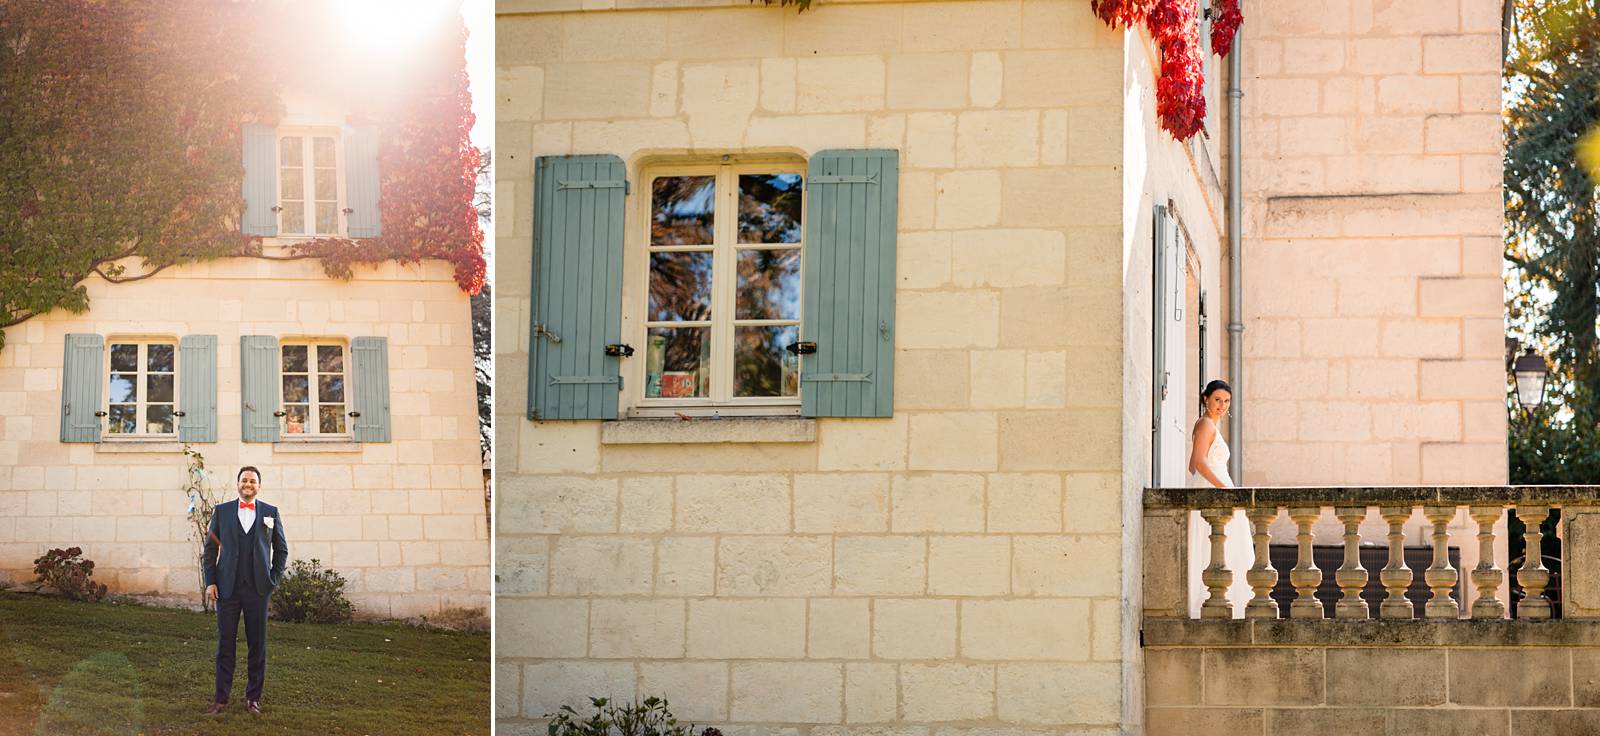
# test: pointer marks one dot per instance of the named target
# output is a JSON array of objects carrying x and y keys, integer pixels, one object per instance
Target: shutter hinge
[{"x": 540, "y": 330}]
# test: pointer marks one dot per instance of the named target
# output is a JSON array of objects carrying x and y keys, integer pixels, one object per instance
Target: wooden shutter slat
[
  {"x": 369, "y": 359},
  {"x": 258, "y": 388},
  {"x": 361, "y": 181},
  {"x": 81, "y": 377},
  {"x": 577, "y": 281},
  {"x": 849, "y": 284},
  {"x": 260, "y": 180},
  {"x": 197, "y": 392}
]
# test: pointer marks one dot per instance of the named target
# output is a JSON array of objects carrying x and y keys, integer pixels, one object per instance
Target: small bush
[
  {"x": 63, "y": 570},
  {"x": 310, "y": 594},
  {"x": 647, "y": 718}
]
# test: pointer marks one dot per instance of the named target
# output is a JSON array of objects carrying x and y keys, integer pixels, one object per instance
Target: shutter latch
[
  {"x": 619, "y": 351},
  {"x": 802, "y": 348},
  {"x": 539, "y": 330}
]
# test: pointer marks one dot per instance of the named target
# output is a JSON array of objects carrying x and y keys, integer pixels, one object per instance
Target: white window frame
[
  {"x": 308, "y": 182},
  {"x": 313, "y": 415},
  {"x": 724, "y": 292},
  {"x": 141, "y": 379}
]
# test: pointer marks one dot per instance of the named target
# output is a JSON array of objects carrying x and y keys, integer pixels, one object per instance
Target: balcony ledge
[{"x": 1178, "y": 632}]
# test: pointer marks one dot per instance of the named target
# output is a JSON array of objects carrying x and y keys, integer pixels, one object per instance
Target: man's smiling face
[{"x": 249, "y": 485}]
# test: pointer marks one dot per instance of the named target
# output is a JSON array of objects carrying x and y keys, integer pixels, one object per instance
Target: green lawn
[{"x": 107, "y": 668}]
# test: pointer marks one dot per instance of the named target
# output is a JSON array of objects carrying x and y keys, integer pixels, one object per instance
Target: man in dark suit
[{"x": 244, "y": 558}]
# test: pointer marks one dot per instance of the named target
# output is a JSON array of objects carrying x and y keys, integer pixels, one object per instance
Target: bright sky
[{"x": 479, "y": 16}]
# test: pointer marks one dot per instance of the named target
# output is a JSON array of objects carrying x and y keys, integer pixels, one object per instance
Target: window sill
[
  {"x": 708, "y": 431},
  {"x": 153, "y": 446},
  {"x": 337, "y": 445}
]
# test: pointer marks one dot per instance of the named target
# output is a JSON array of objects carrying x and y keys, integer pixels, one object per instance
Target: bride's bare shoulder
[{"x": 1203, "y": 427}]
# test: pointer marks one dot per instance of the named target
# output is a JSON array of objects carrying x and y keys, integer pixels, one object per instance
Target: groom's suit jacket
[{"x": 226, "y": 537}]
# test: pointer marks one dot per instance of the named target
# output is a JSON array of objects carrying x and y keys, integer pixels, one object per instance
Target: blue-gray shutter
[
  {"x": 197, "y": 388},
  {"x": 260, "y": 180},
  {"x": 849, "y": 284},
  {"x": 82, "y": 373},
  {"x": 577, "y": 286},
  {"x": 361, "y": 181},
  {"x": 369, "y": 404},
  {"x": 258, "y": 388}
]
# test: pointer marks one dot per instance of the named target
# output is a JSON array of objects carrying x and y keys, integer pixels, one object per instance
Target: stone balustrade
[{"x": 1168, "y": 512}]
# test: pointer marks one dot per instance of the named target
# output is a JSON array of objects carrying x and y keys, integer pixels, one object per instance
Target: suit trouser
[{"x": 253, "y": 607}]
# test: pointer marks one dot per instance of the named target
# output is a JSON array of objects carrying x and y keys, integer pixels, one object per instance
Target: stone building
[{"x": 874, "y": 457}]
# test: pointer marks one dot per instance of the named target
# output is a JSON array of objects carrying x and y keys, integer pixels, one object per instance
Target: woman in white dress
[{"x": 1208, "y": 468}]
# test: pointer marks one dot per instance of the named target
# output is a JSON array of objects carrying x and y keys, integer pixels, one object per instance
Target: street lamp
[{"x": 1530, "y": 372}]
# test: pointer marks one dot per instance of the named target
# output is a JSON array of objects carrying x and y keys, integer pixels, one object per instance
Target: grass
[{"x": 114, "y": 668}]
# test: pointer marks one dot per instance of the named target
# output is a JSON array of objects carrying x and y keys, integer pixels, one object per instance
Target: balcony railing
[{"x": 1168, "y": 515}]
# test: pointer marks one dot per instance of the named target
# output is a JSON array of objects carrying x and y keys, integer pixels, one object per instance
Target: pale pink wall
[{"x": 1371, "y": 257}]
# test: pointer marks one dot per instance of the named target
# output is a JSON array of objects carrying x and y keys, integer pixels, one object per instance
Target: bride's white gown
[{"x": 1239, "y": 551}]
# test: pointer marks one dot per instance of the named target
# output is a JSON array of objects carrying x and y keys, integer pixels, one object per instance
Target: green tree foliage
[
  {"x": 1553, "y": 229},
  {"x": 119, "y": 142}
]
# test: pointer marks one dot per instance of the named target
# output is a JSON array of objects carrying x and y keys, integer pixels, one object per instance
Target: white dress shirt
[{"x": 247, "y": 517}]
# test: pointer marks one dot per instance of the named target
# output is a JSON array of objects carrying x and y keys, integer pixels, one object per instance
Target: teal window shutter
[
  {"x": 361, "y": 181},
  {"x": 260, "y": 180},
  {"x": 577, "y": 286},
  {"x": 258, "y": 388},
  {"x": 82, "y": 373},
  {"x": 197, "y": 388},
  {"x": 851, "y": 204},
  {"x": 369, "y": 408}
]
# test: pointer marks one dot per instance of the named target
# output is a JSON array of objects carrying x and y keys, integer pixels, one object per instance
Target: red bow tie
[{"x": 251, "y": 505}]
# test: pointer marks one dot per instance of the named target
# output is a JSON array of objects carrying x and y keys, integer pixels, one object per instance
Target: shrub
[
  {"x": 310, "y": 594},
  {"x": 64, "y": 570},
  {"x": 647, "y": 718}
]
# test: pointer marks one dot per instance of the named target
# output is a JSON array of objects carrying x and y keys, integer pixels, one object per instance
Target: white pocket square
[{"x": 270, "y": 522}]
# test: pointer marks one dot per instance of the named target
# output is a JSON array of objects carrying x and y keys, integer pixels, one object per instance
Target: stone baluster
[
  {"x": 1262, "y": 576},
  {"x": 1487, "y": 577},
  {"x": 1217, "y": 577},
  {"x": 1305, "y": 576},
  {"x": 1533, "y": 575},
  {"x": 1396, "y": 577},
  {"x": 1351, "y": 576},
  {"x": 1440, "y": 576}
]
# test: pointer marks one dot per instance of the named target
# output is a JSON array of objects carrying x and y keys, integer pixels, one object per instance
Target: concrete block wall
[
  {"x": 403, "y": 520},
  {"x": 1493, "y": 678},
  {"x": 953, "y": 568},
  {"x": 1372, "y": 242}
]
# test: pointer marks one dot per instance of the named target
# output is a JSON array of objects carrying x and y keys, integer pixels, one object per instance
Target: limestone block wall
[
  {"x": 1372, "y": 238},
  {"x": 956, "y": 565},
  {"x": 1496, "y": 678},
  {"x": 403, "y": 520}
]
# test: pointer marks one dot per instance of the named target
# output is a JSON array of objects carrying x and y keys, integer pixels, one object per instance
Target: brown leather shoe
[
  {"x": 215, "y": 708},
  {"x": 254, "y": 706}
]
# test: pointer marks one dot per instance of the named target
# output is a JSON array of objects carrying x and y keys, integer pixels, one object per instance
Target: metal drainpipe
[{"x": 1235, "y": 287}]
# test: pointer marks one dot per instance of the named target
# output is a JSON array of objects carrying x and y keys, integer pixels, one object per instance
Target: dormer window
[
  {"x": 311, "y": 182},
  {"x": 308, "y": 185}
]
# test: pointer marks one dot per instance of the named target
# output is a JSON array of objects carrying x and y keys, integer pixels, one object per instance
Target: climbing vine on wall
[{"x": 1180, "y": 89}]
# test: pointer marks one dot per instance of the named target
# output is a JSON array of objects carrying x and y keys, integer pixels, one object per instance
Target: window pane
[
  {"x": 330, "y": 388},
  {"x": 124, "y": 387},
  {"x": 124, "y": 357},
  {"x": 326, "y": 184},
  {"x": 294, "y": 359},
  {"x": 123, "y": 419},
  {"x": 330, "y": 359},
  {"x": 331, "y": 419},
  {"x": 678, "y": 363},
  {"x": 296, "y": 388},
  {"x": 158, "y": 419},
  {"x": 769, "y": 208},
  {"x": 762, "y": 366},
  {"x": 289, "y": 151},
  {"x": 327, "y": 218},
  {"x": 681, "y": 210},
  {"x": 294, "y": 421},
  {"x": 160, "y": 388},
  {"x": 159, "y": 358},
  {"x": 294, "y": 217},
  {"x": 291, "y": 184},
  {"x": 680, "y": 286},
  {"x": 322, "y": 151},
  {"x": 769, "y": 284}
]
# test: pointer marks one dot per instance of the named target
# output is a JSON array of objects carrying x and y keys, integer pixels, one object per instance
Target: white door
[{"x": 1171, "y": 437}]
